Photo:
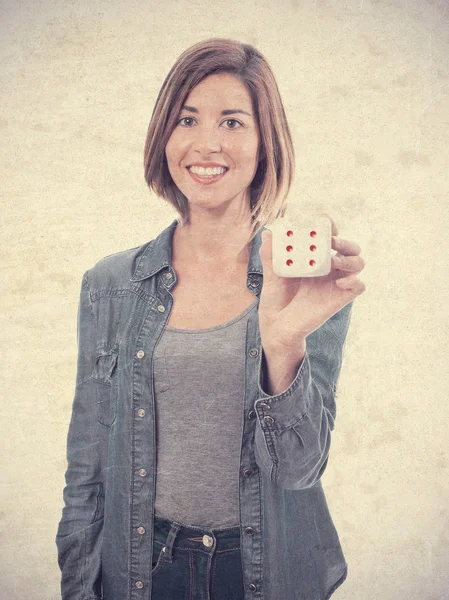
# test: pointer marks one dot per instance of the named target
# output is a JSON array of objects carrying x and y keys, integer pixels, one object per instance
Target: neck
[{"x": 211, "y": 242}]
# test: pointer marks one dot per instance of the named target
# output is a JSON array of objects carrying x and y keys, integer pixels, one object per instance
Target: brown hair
[{"x": 274, "y": 175}]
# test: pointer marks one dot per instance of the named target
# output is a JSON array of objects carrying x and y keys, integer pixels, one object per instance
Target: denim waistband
[{"x": 193, "y": 536}]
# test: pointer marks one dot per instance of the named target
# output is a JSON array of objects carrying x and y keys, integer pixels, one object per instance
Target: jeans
[{"x": 196, "y": 563}]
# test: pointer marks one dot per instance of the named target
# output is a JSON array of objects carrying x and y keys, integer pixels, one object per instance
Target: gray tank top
[{"x": 199, "y": 397}]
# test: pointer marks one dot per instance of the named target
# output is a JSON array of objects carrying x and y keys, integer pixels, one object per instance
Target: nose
[{"x": 207, "y": 139}]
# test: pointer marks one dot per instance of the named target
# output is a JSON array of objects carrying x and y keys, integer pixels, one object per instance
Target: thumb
[
  {"x": 266, "y": 234},
  {"x": 266, "y": 254}
]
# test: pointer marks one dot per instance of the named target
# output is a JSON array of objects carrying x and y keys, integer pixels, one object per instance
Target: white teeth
[{"x": 209, "y": 172}]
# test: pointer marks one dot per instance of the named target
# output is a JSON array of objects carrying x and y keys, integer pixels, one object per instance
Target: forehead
[{"x": 218, "y": 89}]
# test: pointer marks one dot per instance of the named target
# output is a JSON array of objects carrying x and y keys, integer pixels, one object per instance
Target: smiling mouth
[{"x": 206, "y": 179}]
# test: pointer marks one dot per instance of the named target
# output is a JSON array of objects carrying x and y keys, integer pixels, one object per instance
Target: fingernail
[
  {"x": 338, "y": 259},
  {"x": 343, "y": 282}
]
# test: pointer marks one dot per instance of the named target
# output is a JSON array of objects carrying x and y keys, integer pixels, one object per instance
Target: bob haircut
[{"x": 274, "y": 174}]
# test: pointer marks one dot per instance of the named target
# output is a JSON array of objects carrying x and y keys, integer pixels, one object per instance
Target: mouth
[{"x": 207, "y": 179}]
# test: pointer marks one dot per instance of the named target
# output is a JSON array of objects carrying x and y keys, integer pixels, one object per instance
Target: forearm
[
  {"x": 280, "y": 369},
  {"x": 297, "y": 414}
]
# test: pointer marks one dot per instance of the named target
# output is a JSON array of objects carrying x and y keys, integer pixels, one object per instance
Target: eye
[
  {"x": 184, "y": 118},
  {"x": 233, "y": 121},
  {"x": 226, "y": 121}
]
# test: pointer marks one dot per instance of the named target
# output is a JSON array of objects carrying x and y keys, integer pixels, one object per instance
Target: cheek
[
  {"x": 169, "y": 149},
  {"x": 175, "y": 149},
  {"x": 250, "y": 152},
  {"x": 172, "y": 143},
  {"x": 250, "y": 146}
]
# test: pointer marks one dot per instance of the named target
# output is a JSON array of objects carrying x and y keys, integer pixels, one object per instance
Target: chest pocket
[{"x": 104, "y": 376}]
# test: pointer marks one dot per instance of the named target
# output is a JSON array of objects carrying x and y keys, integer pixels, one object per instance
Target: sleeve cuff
[{"x": 286, "y": 408}]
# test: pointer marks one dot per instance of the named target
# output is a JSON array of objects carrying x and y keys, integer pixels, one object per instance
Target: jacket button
[
  {"x": 264, "y": 405},
  {"x": 252, "y": 587},
  {"x": 247, "y": 472},
  {"x": 208, "y": 541},
  {"x": 140, "y": 354},
  {"x": 142, "y": 472},
  {"x": 161, "y": 308},
  {"x": 141, "y": 412},
  {"x": 249, "y": 530},
  {"x": 168, "y": 275},
  {"x": 141, "y": 530},
  {"x": 139, "y": 584},
  {"x": 251, "y": 414},
  {"x": 268, "y": 419},
  {"x": 253, "y": 352}
]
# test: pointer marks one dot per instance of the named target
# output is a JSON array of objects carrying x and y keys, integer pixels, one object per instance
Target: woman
[{"x": 205, "y": 392}]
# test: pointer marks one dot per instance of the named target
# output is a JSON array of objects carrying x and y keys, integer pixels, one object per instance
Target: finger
[
  {"x": 346, "y": 247},
  {"x": 266, "y": 257},
  {"x": 351, "y": 284},
  {"x": 353, "y": 264}
]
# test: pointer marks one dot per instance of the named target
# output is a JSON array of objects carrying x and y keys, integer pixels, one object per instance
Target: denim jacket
[{"x": 290, "y": 547}]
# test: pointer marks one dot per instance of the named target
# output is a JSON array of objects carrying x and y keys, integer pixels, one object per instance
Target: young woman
[{"x": 206, "y": 384}]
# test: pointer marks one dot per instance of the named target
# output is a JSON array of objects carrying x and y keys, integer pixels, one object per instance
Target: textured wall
[{"x": 366, "y": 90}]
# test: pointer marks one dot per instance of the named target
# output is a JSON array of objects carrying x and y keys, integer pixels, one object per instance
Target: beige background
[{"x": 366, "y": 90}]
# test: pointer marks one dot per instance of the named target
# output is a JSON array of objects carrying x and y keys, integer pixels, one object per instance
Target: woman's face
[{"x": 203, "y": 134}]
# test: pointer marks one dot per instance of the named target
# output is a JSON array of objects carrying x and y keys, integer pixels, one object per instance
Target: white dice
[{"x": 303, "y": 248}]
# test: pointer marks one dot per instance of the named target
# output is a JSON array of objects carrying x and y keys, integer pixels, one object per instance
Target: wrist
[{"x": 281, "y": 352}]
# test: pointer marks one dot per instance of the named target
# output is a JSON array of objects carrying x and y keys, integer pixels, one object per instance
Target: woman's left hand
[{"x": 291, "y": 308}]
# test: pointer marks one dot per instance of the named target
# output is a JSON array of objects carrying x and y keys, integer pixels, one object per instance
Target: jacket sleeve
[
  {"x": 80, "y": 529},
  {"x": 293, "y": 429}
]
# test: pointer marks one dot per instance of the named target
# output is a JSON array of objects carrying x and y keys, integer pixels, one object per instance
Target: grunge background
[{"x": 365, "y": 84}]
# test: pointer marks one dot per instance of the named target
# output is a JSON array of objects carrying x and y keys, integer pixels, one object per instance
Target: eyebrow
[{"x": 227, "y": 111}]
